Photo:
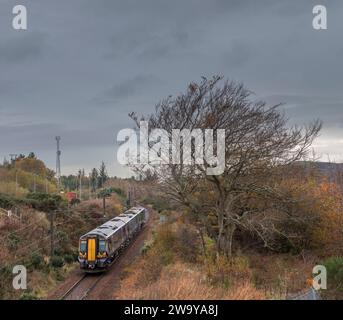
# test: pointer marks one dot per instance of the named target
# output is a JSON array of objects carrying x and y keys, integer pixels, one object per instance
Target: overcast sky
[{"x": 82, "y": 65}]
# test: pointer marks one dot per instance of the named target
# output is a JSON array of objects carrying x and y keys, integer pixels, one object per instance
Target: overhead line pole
[
  {"x": 58, "y": 163},
  {"x": 51, "y": 233},
  {"x": 80, "y": 185},
  {"x": 13, "y": 157}
]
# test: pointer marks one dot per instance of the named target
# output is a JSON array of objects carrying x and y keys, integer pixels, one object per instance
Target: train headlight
[{"x": 102, "y": 255}]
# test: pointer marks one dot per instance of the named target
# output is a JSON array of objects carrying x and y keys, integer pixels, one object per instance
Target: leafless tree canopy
[{"x": 258, "y": 141}]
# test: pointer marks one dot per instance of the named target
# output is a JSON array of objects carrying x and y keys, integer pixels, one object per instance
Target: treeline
[
  {"x": 95, "y": 180},
  {"x": 25, "y": 174}
]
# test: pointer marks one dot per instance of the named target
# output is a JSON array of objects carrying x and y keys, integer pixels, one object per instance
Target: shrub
[
  {"x": 13, "y": 241},
  {"x": 56, "y": 261},
  {"x": 146, "y": 247},
  {"x": 28, "y": 296},
  {"x": 75, "y": 254},
  {"x": 45, "y": 202},
  {"x": 59, "y": 276},
  {"x": 58, "y": 251},
  {"x": 62, "y": 237},
  {"x": 10, "y": 188},
  {"x": 5, "y": 281},
  {"x": 69, "y": 258},
  {"x": 334, "y": 268},
  {"x": 8, "y": 202},
  {"x": 117, "y": 208},
  {"x": 74, "y": 202},
  {"x": 187, "y": 243},
  {"x": 158, "y": 204},
  {"x": 118, "y": 191},
  {"x": 37, "y": 260},
  {"x": 225, "y": 271}
]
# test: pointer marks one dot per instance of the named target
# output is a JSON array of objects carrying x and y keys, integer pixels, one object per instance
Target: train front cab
[{"x": 93, "y": 254}]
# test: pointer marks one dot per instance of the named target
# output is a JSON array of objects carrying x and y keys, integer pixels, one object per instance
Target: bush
[
  {"x": 334, "y": 269},
  {"x": 13, "y": 241},
  {"x": 56, "y": 261},
  {"x": 170, "y": 243},
  {"x": 69, "y": 258},
  {"x": 225, "y": 272},
  {"x": 10, "y": 188},
  {"x": 146, "y": 247},
  {"x": 165, "y": 243},
  {"x": 58, "y": 251},
  {"x": 188, "y": 243},
  {"x": 37, "y": 261},
  {"x": 5, "y": 281},
  {"x": 158, "y": 204},
  {"x": 74, "y": 202},
  {"x": 28, "y": 296},
  {"x": 45, "y": 202},
  {"x": 8, "y": 202},
  {"x": 62, "y": 237},
  {"x": 118, "y": 191},
  {"x": 59, "y": 276},
  {"x": 117, "y": 208},
  {"x": 75, "y": 254}
]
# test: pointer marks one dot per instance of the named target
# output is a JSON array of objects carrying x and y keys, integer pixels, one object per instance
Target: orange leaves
[{"x": 31, "y": 165}]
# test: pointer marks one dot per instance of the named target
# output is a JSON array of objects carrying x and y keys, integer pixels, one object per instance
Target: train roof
[{"x": 110, "y": 227}]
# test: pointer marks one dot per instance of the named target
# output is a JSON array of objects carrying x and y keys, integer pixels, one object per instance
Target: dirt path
[{"x": 109, "y": 283}]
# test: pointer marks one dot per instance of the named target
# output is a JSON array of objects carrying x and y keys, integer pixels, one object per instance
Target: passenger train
[{"x": 99, "y": 247}]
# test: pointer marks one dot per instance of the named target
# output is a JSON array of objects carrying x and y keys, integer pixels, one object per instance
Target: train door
[{"x": 91, "y": 254}]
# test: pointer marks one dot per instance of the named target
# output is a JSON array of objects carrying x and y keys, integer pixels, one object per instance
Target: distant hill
[{"x": 328, "y": 169}]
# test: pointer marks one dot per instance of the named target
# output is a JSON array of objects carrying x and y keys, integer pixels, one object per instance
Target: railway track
[
  {"x": 63, "y": 297},
  {"x": 83, "y": 286},
  {"x": 70, "y": 290},
  {"x": 88, "y": 281}
]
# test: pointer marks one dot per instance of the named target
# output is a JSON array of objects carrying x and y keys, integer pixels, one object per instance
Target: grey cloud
[
  {"x": 40, "y": 136},
  {"x": 301, "y": 109},
  {"x": 22, "y": 47},
  {"x": 127, "y": 88},
  {"x": 27, "y": 136},
  {"x": 146, "y": 44},
  {"x": 83, "y": 65},
  {"x": 240, "y": 54}
]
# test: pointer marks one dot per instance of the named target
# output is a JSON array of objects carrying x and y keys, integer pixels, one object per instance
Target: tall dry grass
[
  {"x": 172, "y": 269},
  {"x": 183, "y": 282}
]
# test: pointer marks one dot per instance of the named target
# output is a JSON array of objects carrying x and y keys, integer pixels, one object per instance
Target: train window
[
  {"x": 102, "y": 245},
  {"x": 83, "y": 246}
]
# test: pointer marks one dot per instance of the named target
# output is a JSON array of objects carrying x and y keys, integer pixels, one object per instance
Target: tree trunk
[
  {"x": 225, "y": 240},
  {"x": 220, "y": 232},
  {"x": 226, "y": 229},
  {"x": 202, "y": 241},
  {"x": 230, "y": 230}
]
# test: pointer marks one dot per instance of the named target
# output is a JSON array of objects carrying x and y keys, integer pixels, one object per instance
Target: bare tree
[{"x": 258, "y": 142}]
